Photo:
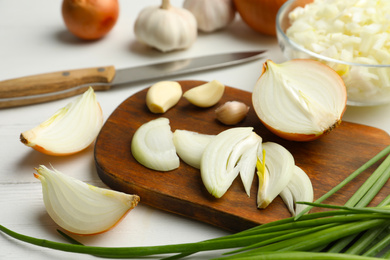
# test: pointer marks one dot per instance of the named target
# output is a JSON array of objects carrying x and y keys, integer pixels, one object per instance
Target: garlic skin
[
  {"x": 70, "y": 130},
  {"x": 211, "y": 15},
  {"x": 299, "y": 99},
  {"x": 152, "y": 145},
  {"x": 299, "y": 188},
  {"x": 166, "y": 28},
  {"x": 232, "y": 112},
  {"x": 163, "y": 95},
  {"x": 230, "y": 152},
  {"x": 275, "y": 171},
  {"x": 81, "y": 208},
  {"x": 190, "y": 146},
  {"x": 205, "y": 95}
]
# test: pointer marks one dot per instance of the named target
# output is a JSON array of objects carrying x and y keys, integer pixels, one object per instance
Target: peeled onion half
[{"x": 299, "y": 99}]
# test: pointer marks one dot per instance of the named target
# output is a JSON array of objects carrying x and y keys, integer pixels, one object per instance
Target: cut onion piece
[
  {"x": 274, "y": 170},
  {"x": 70, "y": 130},
  {"x": 299, "y": 188},
  {"x": 220, "y": 163},
  {"x": 190, "y": 146},
  {"x": 152, "y": 145},
  {"x": 299, "y": 99},
  {"x": 81, "y": 208}
]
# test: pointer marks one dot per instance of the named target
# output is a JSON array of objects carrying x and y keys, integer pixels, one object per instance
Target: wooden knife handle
[{"x": 52, "y": 86}]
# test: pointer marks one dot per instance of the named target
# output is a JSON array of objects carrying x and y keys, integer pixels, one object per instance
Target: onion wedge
[
  {"x": 190, "y": 146},
  {"x": 298, "y": 189},
  {"x": 220, "y": 162},
  {"x": 81, "y": 208},
  {"x": 274, "y": 170},
  {"x": 152, "y": 145},
  {"x": 70, "y": 130}
]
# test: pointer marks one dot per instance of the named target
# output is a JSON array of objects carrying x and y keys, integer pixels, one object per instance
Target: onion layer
[{"x": 152, "y": 145}]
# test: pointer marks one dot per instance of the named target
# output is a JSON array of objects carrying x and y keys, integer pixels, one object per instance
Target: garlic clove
[
  {"x": 81, "y": 208},
  {"x": 205, "y": 95},
  {"x": 232, "y": 112},
  {"x": 299, "y": 99},
  {"x": 163, "y": 95},
  {"x": 211, "y": 15},
  {"x": 70, "y": 130},
  {"x": 152, "y": 145},
  {"x": 219, "y": 164},
  {"x": 190, "y": 146},
  {"x": 275, "y": 171},
  {"x": 299, "y": 188},
  {"x": 166, "y": 28}
]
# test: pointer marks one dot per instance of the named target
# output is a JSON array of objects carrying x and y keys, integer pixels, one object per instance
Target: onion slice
[
  {"x": 220, "y": 162},
  {"x": 298, "y": 189},
  {"x": 299, "y": 99},
  {"x": 274, "y": 170},
  {"x": 152, "y": 145},
  {"x": 70, "y": 130},
  {"x": 81, "y": 208},
  {"x": 190, "y": 146}
]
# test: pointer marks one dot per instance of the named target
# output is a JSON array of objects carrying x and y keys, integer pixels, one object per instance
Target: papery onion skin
[
  {"x": 90, "y": 19},
  {"x": 260, "y": 15},
  {"x": 296, "y": 136}
]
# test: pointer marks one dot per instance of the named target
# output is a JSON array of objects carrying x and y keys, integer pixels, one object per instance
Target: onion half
[{"x": 299, "y": 99}]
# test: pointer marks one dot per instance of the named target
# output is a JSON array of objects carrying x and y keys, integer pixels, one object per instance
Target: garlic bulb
[
  {"x": 152, "y": 145},
  {"x": 232, "y": 112},
  {"x": 229, "y": 153},
  {"x": 275, "y": 171},
  {"x": 81, "y": 208},
  {"x": 211, "y": 15},
  {"x": 299, "y": 99},
  {"x": 190, "y": 146},
  {"x": 299, "y": 188},
  {"x": 69, "y": 130},
  {"x": 166, "y": 27}
]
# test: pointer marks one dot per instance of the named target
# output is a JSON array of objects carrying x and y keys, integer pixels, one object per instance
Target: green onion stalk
[{"x": 350, "y": 231}]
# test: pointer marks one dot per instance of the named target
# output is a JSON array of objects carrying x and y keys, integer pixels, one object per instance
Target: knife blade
[{"x": 56, "y": 85}]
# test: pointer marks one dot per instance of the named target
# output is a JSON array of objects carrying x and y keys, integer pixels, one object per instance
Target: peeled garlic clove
[
  {"x": 166, "y": 27},
  {"x": 275, "y": 171},
  {"x": 163, "y": 95},
  {"x": 299, "y": 188},
  {"x": 232, "y": 112},
  {"x": 299, "y": 99},
  {"x": 219, "y": 165},
  {"x": 81, "y": 208},
  {"x": 190, "y": 146},
  {"x": 70, "y": 130},
  {"x": 211, "y": 15},
  {"x": 205, "y": 95},
  {"x": 152, "y": 145}
]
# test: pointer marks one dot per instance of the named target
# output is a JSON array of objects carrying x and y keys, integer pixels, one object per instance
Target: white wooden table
[{"x": 33, "y": 40}]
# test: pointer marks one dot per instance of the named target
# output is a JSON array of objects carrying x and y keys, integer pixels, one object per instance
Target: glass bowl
[{"x": 367, "y": 85}]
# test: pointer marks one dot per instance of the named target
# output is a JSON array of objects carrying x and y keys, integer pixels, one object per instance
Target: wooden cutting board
[{"x": 327, "y": 161}]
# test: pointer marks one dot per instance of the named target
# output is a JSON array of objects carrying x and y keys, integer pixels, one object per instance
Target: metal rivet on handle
[
  {"x": 101, "y": 69},
  {"x": 65, "y": 73}
]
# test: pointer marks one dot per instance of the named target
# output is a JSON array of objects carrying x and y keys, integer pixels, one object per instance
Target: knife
[{"x": 56, "y": 85}]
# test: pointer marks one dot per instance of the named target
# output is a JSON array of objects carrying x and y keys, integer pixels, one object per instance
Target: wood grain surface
[{"x": 327, "y": 161}]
